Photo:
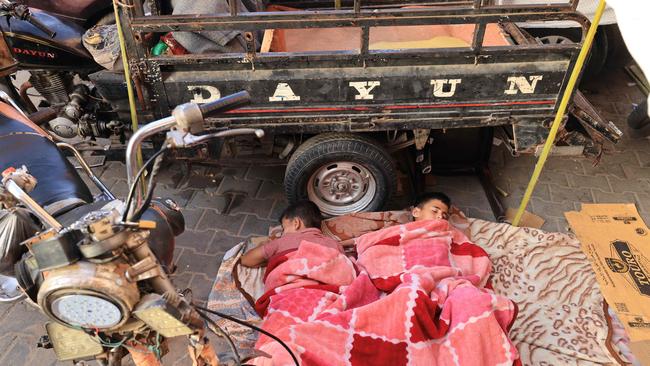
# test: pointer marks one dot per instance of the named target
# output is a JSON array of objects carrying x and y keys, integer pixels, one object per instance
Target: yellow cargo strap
[
  {"x": 127, "y": 79},
  {"x": 566, "y": 97}
]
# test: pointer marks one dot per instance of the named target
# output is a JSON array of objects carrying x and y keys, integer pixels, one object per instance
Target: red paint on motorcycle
[{"x": 34, "y": 49}]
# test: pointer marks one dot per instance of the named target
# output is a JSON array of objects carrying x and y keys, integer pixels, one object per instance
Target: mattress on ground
[{"x": 562, "y": 317}]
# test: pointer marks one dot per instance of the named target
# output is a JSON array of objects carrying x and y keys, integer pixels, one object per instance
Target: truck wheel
[
  {"x": 599, "y": 49},
  {"x": 341, "y": 173}
]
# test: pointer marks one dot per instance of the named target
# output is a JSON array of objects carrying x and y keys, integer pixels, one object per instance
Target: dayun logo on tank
[
  {"x": 629, "y": 265},
  {"x": 440, "y": 88},
  {"x": 36, "y": 53}
]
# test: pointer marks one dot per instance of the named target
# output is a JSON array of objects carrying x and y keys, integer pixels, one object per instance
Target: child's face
[{"x": 432, "y": 209}]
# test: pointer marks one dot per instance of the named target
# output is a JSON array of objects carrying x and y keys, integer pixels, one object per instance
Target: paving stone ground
[{"x": 223, "y": 206}]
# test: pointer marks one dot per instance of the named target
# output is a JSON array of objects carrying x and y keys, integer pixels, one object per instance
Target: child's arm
[{"x": 254, "y": 257}]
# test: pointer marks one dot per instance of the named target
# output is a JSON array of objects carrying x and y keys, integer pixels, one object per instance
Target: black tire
[
  {"x": 597, "y": 56},
  {"x": 599, "y": 50},
  {"x": 325, "y": 151}
]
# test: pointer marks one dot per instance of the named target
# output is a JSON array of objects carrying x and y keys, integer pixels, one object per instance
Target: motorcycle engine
[
  {"x": 99, "y": 279},
  {"x": 53, "y": 86},
  {"x": 79, "y": 113},
  {"x": 79, "y": 276}
]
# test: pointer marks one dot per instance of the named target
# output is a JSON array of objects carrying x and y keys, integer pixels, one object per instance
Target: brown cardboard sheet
[{"x": 617, "y": 243}]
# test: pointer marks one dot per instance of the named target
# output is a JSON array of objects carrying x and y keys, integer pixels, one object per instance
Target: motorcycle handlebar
[
  {"x": 181, "y": 116},
  {"x": 38, "y": 24},
  {"x": 22, "y": 12},
  {"x": 225, "y": 104}
]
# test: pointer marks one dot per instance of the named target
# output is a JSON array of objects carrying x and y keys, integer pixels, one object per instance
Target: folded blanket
[
  {"x": 311, "y": 266},
  {"x": 415, "y": 296}
]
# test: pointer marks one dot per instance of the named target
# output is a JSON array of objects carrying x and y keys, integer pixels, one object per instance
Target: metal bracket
[
  {"x": 593, "y": 122},
  {"x": 143, "y": 270},
  {"x": 97, "y": 248},
  {"x": 180, "y": 139},
  {"x": 249, "y": 37},
  {"x": 421, "y": 137},
  {"x": 502, "y": 118},
  {"x": 423, "y": 155},
  {"x": 9, "y": 179},
  {"x": 86, "y": 168},
  {"x": 136, "y": 239}
]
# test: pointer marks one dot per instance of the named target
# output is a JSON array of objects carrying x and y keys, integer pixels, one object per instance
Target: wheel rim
[
  {"x": 555, "y": 40},
  {"x": 340, "y": 188}
]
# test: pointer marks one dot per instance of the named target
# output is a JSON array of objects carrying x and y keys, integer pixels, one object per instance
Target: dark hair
[
  {"x": 305, "y": 210},
  {"x": 429, "y": 196}
]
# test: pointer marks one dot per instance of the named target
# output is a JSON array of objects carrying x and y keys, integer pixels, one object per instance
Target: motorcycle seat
[{"x": 23, "y": 143}]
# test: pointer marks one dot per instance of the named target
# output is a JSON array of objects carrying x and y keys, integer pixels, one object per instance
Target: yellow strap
[
  {"x": 129, "y": 87},
  {"x": 575, "y": 73}
]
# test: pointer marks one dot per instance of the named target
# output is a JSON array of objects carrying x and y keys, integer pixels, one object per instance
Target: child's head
[
  {"x": 301, "y": 215},
  {"x": 432, "y": 205}
]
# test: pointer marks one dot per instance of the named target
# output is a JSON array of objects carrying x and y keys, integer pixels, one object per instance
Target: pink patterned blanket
[{"x": 416, "y": 295}]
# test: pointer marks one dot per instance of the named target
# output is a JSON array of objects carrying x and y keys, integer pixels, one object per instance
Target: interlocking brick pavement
[
  {"x": 223, "y": 206},
  {"x": 623, "y": 174}
]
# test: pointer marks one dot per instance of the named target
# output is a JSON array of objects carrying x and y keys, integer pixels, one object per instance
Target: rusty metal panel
[
  {"x": 452, "y": 14},
  {"x": 371, "y": 90}
]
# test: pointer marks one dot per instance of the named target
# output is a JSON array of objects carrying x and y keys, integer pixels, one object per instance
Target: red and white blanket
[{"x": 415, "y": 296}]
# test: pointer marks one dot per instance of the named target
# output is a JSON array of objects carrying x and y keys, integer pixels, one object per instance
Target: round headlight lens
[{"x": 86, "y": 311}]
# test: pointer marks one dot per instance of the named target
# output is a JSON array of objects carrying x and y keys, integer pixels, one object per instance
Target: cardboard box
[
  {"x": 617, "y": 243},
  {"x": 527, "y": 219}
]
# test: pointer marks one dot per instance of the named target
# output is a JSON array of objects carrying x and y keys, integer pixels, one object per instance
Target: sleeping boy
[
  {"x": 432, "y": 205},
  {"x": 300, "y": 221}
]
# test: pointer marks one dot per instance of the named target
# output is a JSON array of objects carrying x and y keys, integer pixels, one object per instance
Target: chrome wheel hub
[
  {"x": 551, "y": 40},
  {"x": 342, "y": 187}
]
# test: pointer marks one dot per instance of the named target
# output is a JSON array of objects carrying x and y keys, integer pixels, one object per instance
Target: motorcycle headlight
[
  {"x": 86, "y": 310},
  {"x": 89, "y": 295}
]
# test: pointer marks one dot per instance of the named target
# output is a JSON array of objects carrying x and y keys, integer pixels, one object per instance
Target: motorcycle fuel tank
[
  {"x": 34, "y": 49},
  {"x": 80, "y": 11}
]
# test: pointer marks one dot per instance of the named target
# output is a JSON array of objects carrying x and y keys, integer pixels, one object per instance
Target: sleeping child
[
  {"x": 300, "y": 221},
  {"x": 432, "y": 205}
]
